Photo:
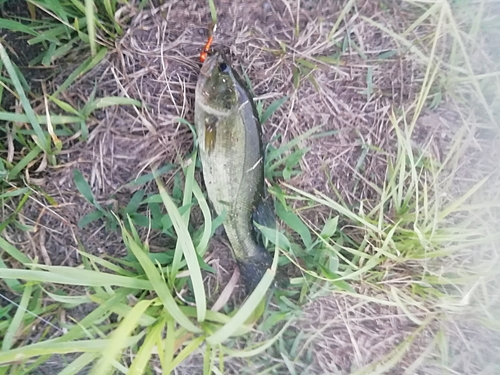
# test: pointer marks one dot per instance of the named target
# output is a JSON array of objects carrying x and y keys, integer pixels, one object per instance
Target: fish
[{"x": 232, "y": 159}]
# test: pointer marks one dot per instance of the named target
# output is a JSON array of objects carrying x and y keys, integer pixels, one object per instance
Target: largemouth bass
[{"x": 231, "y": 153}]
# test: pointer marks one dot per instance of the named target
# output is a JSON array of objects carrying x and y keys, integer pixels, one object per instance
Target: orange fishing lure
[{"x": 206, "y": 50}]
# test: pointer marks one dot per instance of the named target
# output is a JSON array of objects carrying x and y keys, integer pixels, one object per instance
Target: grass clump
[
  {"x": 162, "y": 322},
  {"x": 61, "y": 29}
]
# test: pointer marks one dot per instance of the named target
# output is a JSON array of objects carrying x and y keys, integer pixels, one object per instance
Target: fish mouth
[
  {"x": 209, "y": 64},
  {"x": 212, "y": 62}
]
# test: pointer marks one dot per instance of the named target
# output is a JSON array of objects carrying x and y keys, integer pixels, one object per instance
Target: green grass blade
[
  {"x": 207, "y": 219},
  {"x": 14, "y": 252},
  {"x": 110, "y": 101},
  {"x": 80, "y": 329},
  {"x": 14, "y": 193},
  {"x": 83, "y": 68},
  {"x": 68, "y": 108},
  {"x": 14, "y": 172},
  {"x": 122, "y": 309},
  {"x": 169, "y": 347},
  {"x": 89, "y": 218},
  {"x": 51, "y": 347},
  {"x": 294, "y": 222},
  {"x": 208, "y": 360},
  {"x": 78, "y": 4},
  {"x": 218, "y": 318},
  {"x": 190, "y": 348},
  {"x": 67, "y": 275},
  {"x": 158, "y": 284},
  {"x": 102, "y": 262},
  {"x": 57, "y": 8},
  {"x": 143, "y": 356},
  {"x": 150, "y": 176},
  {"x": 41, "y": 137},
  {"x": 324, "y": 200},
  {"x": 69, "y": 300},
  {"x": 245, "y": 311},
  {"x": 54, "y": 119},
  {"x": 341, "y": 18},
  {"x": 277, "y": 153},
  {"x": 272, "y": 108},
  {"x": 84, "y": 188},
  {"x": 15, "y": 324},
  {"x": 110, "y": 6},
  {"x": 75, "y": 367},
  {"x": 187, "y": 196},
  {"x": 12, "y": 284},
  {"x": 91, "y": 20},
  {"x": 17, "y": 27},
  {"x": 261, "y": 347},
  {"x": 275, "y": 236},
  {"x": 213, "y": 11},
  {"x": 120, "y": 336},
  {"x": 188, "y": 250},
  {"x": 52, "y": 35}
]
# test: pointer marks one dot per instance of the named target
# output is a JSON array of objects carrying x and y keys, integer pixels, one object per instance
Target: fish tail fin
[{"x": 252, "y": 269}]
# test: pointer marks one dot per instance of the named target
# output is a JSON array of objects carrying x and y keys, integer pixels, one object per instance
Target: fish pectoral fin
[{"x": 210, "y": 132}]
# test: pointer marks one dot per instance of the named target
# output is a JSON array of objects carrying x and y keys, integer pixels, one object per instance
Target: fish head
[{"x": 217, "y": 84}]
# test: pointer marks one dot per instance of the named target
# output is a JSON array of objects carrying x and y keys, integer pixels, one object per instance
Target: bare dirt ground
[{"x": 157, "y": 63}]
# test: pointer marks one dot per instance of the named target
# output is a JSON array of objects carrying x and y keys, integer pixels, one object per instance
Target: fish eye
[{"x": 223, "y": 67}]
